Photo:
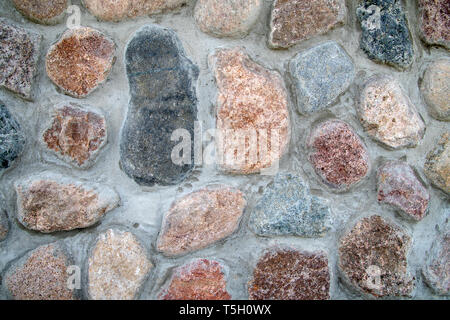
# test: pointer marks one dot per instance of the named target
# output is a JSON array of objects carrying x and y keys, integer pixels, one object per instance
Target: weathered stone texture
[
  {"x": 434, "y": 21},
  {"x": 42, "y": 11},
  {"x": 437, "y": 266},
  {"x": 4, "y": 224},
  {"x": 437, "y": 164},
  {"x": 435, "y": 88},
  {"x": 12, "y": 138}
]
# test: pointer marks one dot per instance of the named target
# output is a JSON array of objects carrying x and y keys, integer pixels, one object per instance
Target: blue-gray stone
[
  {"x": 320, "y": 75},
  {"x": 385, "y": 35},
  {"x": 12, "y": 139},
  {"x": 288, "y": 208},
  {"x": 163, "y": 99}
]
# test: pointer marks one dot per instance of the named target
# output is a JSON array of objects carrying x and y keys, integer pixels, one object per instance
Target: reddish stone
[
  {"x": 200, "y": 279},
  {"x": 287, "y": 274},
  {"x": 434, "y": 21},
  {"x": 338, "y": 155},
  {"x": 42, "y": 11},
  {"x": 437, "y": 267}
]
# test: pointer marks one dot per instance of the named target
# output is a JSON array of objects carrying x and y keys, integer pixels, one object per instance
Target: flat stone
[
  {"x": 227, "y": 18},
  {"x": 116, "y": 10},
  {"x": 288, "y": 274},
  {"x": 385, "y": 35},
  {"x": 293, "y": 21},
  {"x": 434, "y": 21},
  {"x": 41, "y": 274},
  {"x": 163, "y": 99},
  {"x": 399, "y": 187},
  {"x": 4, "y": 224},
  {"x": 288, "y": 208},
  {"x": 338, "y": 155},
  {"x": 437, "y": 164},
  {"x": 80, "y": 61},
  {"x": 12, "y": 138},
  {"x": 50, "y": 202},
  {"x": 373, "y": 259},
  {"x": 200, "y": 279},
  {"x": 435, "y": 88},
  {"x": 253, "y": 126},
  {"x": 320, "y": 75},
  {"x": 117, "y": 266},
  {"x": 75, "y": 135},
  {"x": 388, "y": 115},
  {"x": 19, "y": 55},
  {"x": 42, "y": 11},
  {"x": 200, "y": 218},
  {"x": 437, "y": 266}
]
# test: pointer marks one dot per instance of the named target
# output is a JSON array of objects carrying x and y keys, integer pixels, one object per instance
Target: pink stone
[{"x": 434, "y": 21}]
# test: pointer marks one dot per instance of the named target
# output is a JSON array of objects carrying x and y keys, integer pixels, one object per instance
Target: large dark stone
[
  {"x": 12, "y": 139},
  {"x": 163, "y": 99}
]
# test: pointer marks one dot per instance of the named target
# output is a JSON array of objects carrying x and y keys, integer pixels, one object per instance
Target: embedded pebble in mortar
[
  {"x": 338, "y": 155},
  {"x": 200, "y": 279},
  {"x": 437, "y": 164},
  {"x": 4, "y": 224},
  {"x": 19, "y": 55},
  {"x": 200, "y": 218},
  {"x": 227, "y": 18},
  {"x": 117, "y": 266},
  {"x": 434, "y": 21},
  {"x": 41, "y": 274},
  {"x": 42, "y": 11},
  {"x": 385, "y": 35},
  {"x": 251, "y": 112},
  {"x": 163, "y": 101},
  {"x": 116, "y": 10},
  {"x": 12, "y": 138},
  {"x": 287, "y": 274},
  {"x": 80, "y": 61},
  {"x": 75, "y": 135},
  {"x": 388, "y": 115},
  {"x": 399, "y": 187},
  {"x": 51, "y": 202},
  {"x": 288, "y": 208},
  {"x": 373, "y": 259},
  {"x": 293, "y": 21},
  {"x": 435, "y": 88},
  {"x": 320, "y": 75},
  {"x": 437, "y": 266}
]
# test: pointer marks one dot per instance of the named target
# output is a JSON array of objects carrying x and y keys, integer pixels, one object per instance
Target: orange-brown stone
[{"x": 42, "y": 11}]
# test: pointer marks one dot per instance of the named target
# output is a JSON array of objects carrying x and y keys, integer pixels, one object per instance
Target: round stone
[
  {"x": 437, "y": 164},
  {"x": 42, "y": 11},
  {"x": 435, "y": 88}
]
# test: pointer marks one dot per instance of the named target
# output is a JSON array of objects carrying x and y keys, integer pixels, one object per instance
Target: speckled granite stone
[
  {"x": 437, "y": 266},
  {"x": 4, "y": 224},
  {"x": 42, "y": 11},
  {"x": 437, "y": 164},
  {"x": 434, "y": 21}
]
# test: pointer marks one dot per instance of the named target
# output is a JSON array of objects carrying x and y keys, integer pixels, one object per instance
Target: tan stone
[
  {"x": 435, "y": 87},
  {"x": 437, "y": 164},
  {"x": 42, "y": 11}
]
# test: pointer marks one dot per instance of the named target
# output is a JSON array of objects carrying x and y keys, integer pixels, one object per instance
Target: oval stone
[
  {"x": 42, "y": 11},
  {"x": 437, "y": 164}
]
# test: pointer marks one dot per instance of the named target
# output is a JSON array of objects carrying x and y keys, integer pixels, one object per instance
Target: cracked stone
[
  {"x": 288, "y": 208},
  {"x": 80, "y": 61},
  {"x": 434, "y": 21},
  {"x": 200, "y": 218},
  {"x": 293, "y": 21},
  {"x": 51, "y": 202},
  {"x": 4, "y": 224},
  {"x": 437, "y": 164},
  {"x": 42, "y": 11},
  {"x": 163, "y": 99},
  {"x": 437, "y": 266}
]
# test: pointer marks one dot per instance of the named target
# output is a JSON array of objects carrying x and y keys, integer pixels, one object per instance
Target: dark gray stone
[
  {"x": 288, "y": 208},
  {"x": 385, "y": 35},
  {"x": 12, "y": 139},
  {"x": 163, "y": 99},
  {"x": 4, "y": 225}
]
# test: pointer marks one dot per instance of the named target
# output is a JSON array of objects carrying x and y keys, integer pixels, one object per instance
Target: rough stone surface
[
  {"x": 385, "y": 35},
  {"x": 42, "y": 11},
  {"x": 252, "y": 113},
  {"x": 75, "y": 135},
  {"x": 287, "y": 274},
  {"x": 399, "y": 187},
  {"x": 435, "y": 88},
  {"x": 373, "y": 259},
  {"x": 337, "y": 154},
  {"x": 201, "y": 279},
  {"x": 40, "y": 275},
  {"x": 200, "y": 219},
  {"x": 288, "y": 208},
  {"x": 293, "y": 21},
  {"x": 117, "y": 267},
  {"x": 388, "y": 115},
  {"x": 12, "y": 138},
  {"x": 4, "y": 225},
  {"x": 116, "y": 10},
  {"x": 437, "y": 266},
  {"x": 163, "y": 99},
  {"x": 49, "y": 202},
  {"x": 437, "y": 164},
  {"x": 227, "y": 18},
  {"x": 19, "y": 55},
  {"x": 80, "y": 61},
  {"x": 434, "y": 21},
  {"x": 320, "y": 75}
]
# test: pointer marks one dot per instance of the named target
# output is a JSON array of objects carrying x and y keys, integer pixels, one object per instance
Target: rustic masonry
[{"x": 327, "y": 124}]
